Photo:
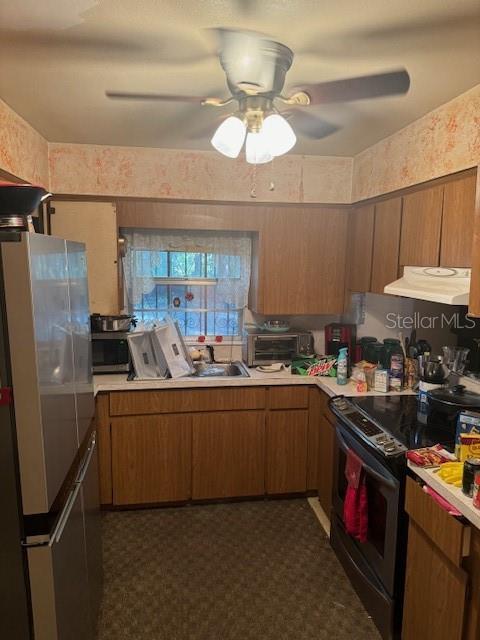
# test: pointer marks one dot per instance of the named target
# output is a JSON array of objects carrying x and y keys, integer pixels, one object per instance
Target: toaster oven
[{"x": 263, "y": 347}]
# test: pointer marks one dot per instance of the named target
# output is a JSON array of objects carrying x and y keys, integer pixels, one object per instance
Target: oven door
[{"x": 383, "y": 493}]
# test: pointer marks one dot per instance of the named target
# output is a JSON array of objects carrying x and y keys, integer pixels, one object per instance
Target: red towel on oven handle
[{"x": 355, "y": 507}]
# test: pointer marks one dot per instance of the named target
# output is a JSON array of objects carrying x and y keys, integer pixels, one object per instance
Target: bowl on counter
[{"x": 276, "y": 326}]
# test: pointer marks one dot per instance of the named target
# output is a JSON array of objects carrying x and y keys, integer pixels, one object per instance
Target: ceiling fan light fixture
[
  {"x": 256, "y": 148},
  {"x": 229, "y": 137},
  {"x": 278, "y": 134}
]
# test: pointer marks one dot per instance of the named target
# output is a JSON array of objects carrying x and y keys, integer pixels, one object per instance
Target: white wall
[{"x": 383, "y": 313}]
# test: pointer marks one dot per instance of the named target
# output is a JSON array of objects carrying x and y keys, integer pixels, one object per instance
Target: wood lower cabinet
[
  {"x": 176, "y": 445},
  {"x": 442, "y": 587},
  {"x": 326, "y": 442},
  {"x": 286, "y": 458},
  {"x": 228, "y": 454},
  {"x": 151, "y": 458}
]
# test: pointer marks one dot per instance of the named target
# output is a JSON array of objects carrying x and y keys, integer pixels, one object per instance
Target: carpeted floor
[{"x": 245, "y": 571}]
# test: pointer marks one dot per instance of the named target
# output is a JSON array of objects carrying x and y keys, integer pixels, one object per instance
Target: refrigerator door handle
[
  {"x": 64, "y": 515},
  {"x": 86, "y": 461}
]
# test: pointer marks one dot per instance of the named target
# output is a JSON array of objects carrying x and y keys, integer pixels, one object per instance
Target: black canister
[{"x": 470, "y": 468}]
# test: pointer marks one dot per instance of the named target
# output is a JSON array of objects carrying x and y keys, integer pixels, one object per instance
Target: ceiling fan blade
[
  {"x": 309, "y": 125},
  {"x": 361, "y": 88},
  {"x": 163, "y": 97}
]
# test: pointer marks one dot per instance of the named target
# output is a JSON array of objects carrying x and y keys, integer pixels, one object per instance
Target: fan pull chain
[
  {"x": 253, "y": 190},
  {"x": 271, "y": 186}
]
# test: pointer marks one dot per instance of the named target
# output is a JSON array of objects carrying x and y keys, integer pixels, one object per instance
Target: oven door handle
[{"x": 375, "y": 474}]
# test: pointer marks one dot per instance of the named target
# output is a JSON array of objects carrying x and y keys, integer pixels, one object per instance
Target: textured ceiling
[{"x": 59, "y": 56}]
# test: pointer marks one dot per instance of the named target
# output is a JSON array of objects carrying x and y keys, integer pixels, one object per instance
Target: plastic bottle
[{"x": 342, "y": 366}]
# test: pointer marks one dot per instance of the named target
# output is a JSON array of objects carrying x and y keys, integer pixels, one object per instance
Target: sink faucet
[{"x": 211, "y": 352}]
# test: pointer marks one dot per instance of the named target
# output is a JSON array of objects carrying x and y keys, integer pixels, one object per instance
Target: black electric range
[
  {"x": 391, "y": 425},
  {"x": 379, "y": 430}
]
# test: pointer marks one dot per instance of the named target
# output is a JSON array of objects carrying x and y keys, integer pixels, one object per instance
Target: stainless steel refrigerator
[{"x": 50, "y": 544}]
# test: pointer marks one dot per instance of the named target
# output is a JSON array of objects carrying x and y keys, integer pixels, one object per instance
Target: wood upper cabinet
[
  {"x": 228, "y": 454},
  {"x": 457, "y": 223},
  {"x": 95, "y": 224},
  {"x": 360, "y": 240},
  {"x": 421, "y": 227},
  {"x": 286, "y": 455},
  {"x": 151, "y": 457},
  {"x": 302, "y": 266},
  {"x": 386, "y": 243},
  {"x": 474, "y": 299}
]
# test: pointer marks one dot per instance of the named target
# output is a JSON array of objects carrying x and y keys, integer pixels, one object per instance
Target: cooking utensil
[
  {"x": 101, "y": 323},
  {"x": 434, "y": 370},
  {"x": 451, "y": 400},
  {"x": 455, "y": 358}
]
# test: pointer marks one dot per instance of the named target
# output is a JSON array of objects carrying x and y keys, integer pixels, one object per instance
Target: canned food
[
  {"x": 476, "y": 490},
  {"x": 470, "y": 468}
]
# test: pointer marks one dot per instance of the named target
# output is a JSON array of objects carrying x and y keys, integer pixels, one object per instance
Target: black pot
[
  {"x": 20, "y": 199},
  {"x": 451, "y": 400}
]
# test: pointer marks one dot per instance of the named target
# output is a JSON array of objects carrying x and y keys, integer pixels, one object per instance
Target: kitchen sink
[{"x": 219, "y": 370}]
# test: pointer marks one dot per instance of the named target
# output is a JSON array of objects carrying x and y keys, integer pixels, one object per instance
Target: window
[{"x": 200, "y": 279}]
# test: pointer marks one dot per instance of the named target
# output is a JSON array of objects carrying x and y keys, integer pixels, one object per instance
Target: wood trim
[
  {"x": 447, "y": 533},
  {"x": 102, "y": 420},
  {"x": 474, "y": 300},
  {"x": 419, "y": 186}
]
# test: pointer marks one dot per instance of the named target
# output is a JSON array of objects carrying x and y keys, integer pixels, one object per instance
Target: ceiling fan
[{"x": 255, "y": 69}]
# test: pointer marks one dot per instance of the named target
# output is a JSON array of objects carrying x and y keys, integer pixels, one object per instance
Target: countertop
[
  {"x": 119, "y": 382},
  {"x": 454, "y": 495}
]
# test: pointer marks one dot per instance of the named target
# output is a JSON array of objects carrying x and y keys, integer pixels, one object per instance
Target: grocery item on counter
[
  {"x": 395, "y": 371},
  {"x": 467, "y": 422},
  {"x": 381, "y": 380},
  {"x": 469, "y": 446},
  {"x": 317, "y": 366},
  {"x": 476, "y": 490},
  {"x": 451, "y": 473},
  {"x": 470, "y": 468},
  {"x": 364, "y": 371},
  {"x": 342, "y": 366},
  {"x": 433, "y": 457},
  {"x": 411, "y": 373}
]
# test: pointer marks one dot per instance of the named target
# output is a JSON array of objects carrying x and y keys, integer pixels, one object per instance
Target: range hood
[{"x": 436, "y": 284}]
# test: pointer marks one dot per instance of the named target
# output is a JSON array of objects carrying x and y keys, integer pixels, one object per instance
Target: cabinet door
[
  {"x": 386, "y": 243},
  {"x": 435, "y": 591},
  {"x": 151, "y": 458},
  {"x": 421, "y": 226},
  {"x": 286, "y": 470},
  {"x": 228, "y": 454},
  {"x": 303, "y": 267},
  {"x": 457, "y": 222},
  {"x": 360, "y": 238},
  {"x": 326, "y": 441}
]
